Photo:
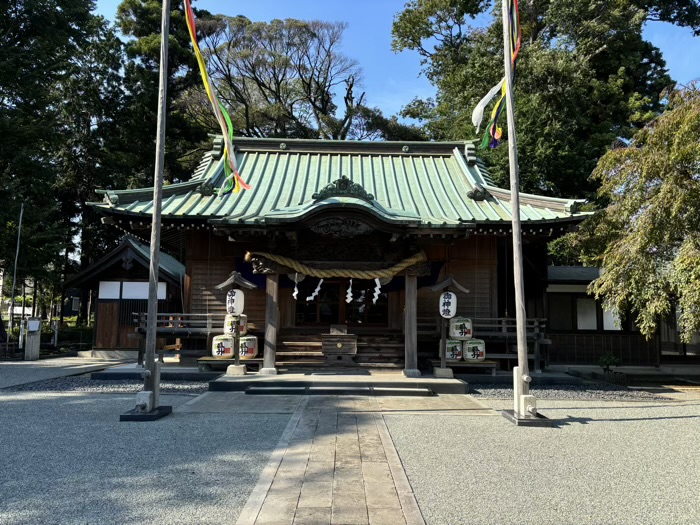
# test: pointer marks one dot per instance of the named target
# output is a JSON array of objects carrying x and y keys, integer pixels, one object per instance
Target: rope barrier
[{"x": 354, "y": 274}]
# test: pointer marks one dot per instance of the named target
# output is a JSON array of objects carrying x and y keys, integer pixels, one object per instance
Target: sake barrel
[
  {"x": 249, "y": 347},
  {"x": 474, "y": 350},
  {"x": 460, "y": 328},
  {"x": 222, "y": 346},
  {"x": 242, "y": 322},
  {"x": 453, "y": 350}
]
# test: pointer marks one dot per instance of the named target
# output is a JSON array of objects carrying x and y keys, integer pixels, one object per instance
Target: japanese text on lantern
[{"x": 447, "y": 305}]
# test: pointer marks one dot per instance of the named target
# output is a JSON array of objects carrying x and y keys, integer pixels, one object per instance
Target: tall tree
[
  {"x": 91, "y": 102},
  {"x": 287, "y": 78},
  {"x": 586, "y": 76},
  {"x": 648, "y": 237},
  {"x": 140, "y": 20},
  {"x": 38, "y": 40}
]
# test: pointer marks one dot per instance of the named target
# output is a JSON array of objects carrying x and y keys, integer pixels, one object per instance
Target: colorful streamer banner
[
  {"x": 233, "y": 180},
  {"x": 478, "y": 113},
  {"x": 493, "y": 134}
]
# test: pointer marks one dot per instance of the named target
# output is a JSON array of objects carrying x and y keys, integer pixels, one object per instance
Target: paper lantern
[
  {"x": 235, "y": 301},
  {"x": 447, "y": 305}
]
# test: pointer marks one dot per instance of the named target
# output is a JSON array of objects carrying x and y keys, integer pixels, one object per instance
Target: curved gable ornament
[
  {"x": 343, "y": 187},
  {"x": 341, "y": 228}
]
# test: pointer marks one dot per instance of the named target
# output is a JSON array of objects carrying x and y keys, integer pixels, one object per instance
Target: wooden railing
[
  {"x": 180, "y": 327},
  {"x": 485, "y": 327},
  {"x": 181, "y": 324}
]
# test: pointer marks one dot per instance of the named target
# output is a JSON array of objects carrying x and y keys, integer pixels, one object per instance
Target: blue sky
[{"x": 392, "y": 80}]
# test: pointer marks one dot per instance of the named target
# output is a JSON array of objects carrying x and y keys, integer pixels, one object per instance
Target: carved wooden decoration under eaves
[
  {"x": 128, "y": 260},
  {"x": 341, "y": 228}
]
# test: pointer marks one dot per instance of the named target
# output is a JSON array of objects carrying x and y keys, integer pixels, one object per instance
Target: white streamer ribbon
[
  {"x": 348, "y": 296},
  {"x": 478, "y": 113},
  {"x": 296, "y": 289},
  {"x": 377, "y": 291},
  {"x": 313, "y": 295}
]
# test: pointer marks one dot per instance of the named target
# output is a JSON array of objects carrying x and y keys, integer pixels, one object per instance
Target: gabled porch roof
[
  {"x": 428, "y": 185},
  {"x": 128, "y": 251}
]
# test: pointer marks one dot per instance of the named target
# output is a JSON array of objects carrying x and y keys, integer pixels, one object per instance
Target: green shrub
[{"x": 608, "y": 359}]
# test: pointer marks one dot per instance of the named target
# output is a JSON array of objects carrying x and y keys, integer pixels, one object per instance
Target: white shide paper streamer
[{"x": 313, "y": 295}]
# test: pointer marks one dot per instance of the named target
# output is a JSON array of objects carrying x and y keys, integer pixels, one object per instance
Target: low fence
[{"x": 587, "y": 349}]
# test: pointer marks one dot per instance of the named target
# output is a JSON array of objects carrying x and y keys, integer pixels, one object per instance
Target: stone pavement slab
[
  {"x": 239, "y": 402},
  {"x": 336, "y": 465},
  {"x": 14, "y": 373}
]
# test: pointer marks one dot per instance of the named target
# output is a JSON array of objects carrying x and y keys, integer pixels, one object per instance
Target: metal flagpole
[
  {"x": 14, "y": 273},
  {"x": 524, "y": 404},
  {"x": 148, "y": 401}
]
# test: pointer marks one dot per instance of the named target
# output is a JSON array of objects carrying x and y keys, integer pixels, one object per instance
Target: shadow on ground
[{"x": 67, "y": 459}]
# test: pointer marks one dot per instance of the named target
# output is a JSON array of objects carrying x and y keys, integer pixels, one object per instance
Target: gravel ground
[
  {"x": 118, "y": 386},
  {"x": 609, "y": 463},
  {"x": 66, "y": 459},
  {"x": 591, "y": 391}
]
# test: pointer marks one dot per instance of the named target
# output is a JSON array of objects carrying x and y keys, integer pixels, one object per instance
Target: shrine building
[{"x": 353, "y": 237}]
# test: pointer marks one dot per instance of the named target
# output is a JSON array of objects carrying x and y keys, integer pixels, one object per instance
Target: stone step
[
  {"x": 381, "y": 365},
  {"x": 299, "y": 353},
  {"x": 349, "y": 390},
  {"x": 338, "y": 378}
]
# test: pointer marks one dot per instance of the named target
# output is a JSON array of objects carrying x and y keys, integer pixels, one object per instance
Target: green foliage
[
  {"x": 186, "y": 138},
  {"x": 648, "y": 237},
  {"x": 585, "y": 76},
  {"x": 38, "y": 42},
  {"x": 609, "y": 359}
]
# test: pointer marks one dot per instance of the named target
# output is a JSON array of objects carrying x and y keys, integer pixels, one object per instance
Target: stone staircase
[{"x": 299, "y": 350}]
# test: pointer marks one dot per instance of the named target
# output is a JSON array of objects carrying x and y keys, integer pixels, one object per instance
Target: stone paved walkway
[{"x": 336, "y": 464}]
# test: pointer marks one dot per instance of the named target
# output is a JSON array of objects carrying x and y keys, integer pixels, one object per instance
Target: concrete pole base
[
  {"x": 236, "y": 370},
  {"x": 443, "y": 373},
  {"x": 268, "y": 371},
  {"x": 144, "y": 401},
  {"x": 411, "y": 372}
]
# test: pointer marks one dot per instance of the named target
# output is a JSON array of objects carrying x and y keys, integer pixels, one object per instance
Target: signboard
[
  {"x": 235, "y": 301},
  {"x": 447, "y": 305}
]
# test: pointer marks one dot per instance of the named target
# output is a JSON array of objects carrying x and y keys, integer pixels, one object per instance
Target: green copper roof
[{"x": 424, "y": 184}]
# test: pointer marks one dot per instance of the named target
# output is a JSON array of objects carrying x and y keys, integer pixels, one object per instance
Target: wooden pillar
[
  {"x": 410, "y": 327},
  {"x": 271, "y": 324}
]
